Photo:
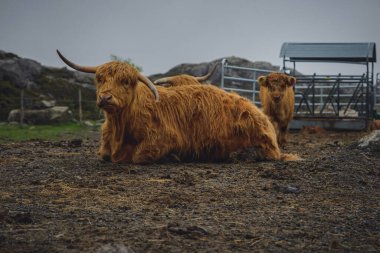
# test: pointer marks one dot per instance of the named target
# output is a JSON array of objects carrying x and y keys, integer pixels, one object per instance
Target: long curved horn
[
  {"x": 150, "y": 85},
  {"x": 207, "y": 76},
  {"x": 164, "y": 82},
  {"x": 75, "y": 66}
]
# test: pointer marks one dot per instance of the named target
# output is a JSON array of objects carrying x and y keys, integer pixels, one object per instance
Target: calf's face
[{"x": 276, "y": 84}]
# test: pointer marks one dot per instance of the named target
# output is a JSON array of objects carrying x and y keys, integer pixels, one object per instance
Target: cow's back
[{"x": 211, "y": 122}]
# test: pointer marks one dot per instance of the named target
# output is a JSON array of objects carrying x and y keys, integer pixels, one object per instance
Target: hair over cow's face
[
  {"x": 115, "y": 85},
  {"x": 276, "y": 83}
]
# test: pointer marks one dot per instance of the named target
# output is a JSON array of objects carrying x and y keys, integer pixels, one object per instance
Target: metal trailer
[
  {"x": 376, "y": 96},
  {"x": 330, "y": 101},
  {"x": 345, "y": 101}
]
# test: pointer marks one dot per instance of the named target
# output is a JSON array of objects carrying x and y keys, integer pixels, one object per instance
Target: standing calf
[
  {"x": 144, "y": 123},
  {"x": 277, "y": 100}
]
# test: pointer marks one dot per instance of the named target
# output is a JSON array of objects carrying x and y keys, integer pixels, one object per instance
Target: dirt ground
[{"x": 58, "y": 197}]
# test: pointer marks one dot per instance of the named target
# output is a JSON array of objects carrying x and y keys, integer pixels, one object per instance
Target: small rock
[
  {"x": 114, "y": 248},
  {"x": 23, "y": 218},
  {"x": 75, "y": 143},
  {"x": 286, "y": 189},
  {"x": 88, "y": 123},
  {"x": 191, "y": 232},
  {"x": 374, "y": 136}
]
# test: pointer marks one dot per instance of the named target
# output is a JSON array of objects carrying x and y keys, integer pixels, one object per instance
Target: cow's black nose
[
  {"x": 104, "y": 100},
  {"x": 276, "y": 98},
  {"x": 105, "y": 97}
]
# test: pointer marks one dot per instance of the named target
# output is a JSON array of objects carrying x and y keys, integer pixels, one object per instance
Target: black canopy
[{"x": 329, "y": 52}]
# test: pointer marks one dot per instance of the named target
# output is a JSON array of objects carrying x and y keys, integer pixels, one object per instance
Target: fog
[{"x": 159, "y": 34}]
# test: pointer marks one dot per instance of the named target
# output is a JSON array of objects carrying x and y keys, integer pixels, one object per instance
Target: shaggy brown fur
[
  {"x": 178, "y": 80},
  {"x": 375, "y": 125},
  {"x": 277, "y": 100},
  {"x": 192, "y": 121}
]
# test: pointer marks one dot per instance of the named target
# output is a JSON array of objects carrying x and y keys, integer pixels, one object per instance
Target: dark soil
[{"x": 58, "y": 197}]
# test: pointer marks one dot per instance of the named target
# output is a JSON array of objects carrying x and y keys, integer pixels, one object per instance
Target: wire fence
[
  {"x": 82, "y": 109},
  {"x": 377, "y": 90},
  {"x": 77, "y": 108}
]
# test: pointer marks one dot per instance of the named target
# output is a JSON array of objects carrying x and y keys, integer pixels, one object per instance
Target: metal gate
[
  {"x": 330, "y": 96},
  {"x": 335, "y": 101},
  {"x": 246, "y": 86},
  {"x": 376, "y": 92}
]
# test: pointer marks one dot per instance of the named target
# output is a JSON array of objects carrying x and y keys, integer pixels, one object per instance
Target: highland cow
[
  {"x": 277, "y": 100},
  {"x": 145, "y": 123}
]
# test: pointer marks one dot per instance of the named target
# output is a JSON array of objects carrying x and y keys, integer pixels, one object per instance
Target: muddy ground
[{"x": 58, "y": 197}]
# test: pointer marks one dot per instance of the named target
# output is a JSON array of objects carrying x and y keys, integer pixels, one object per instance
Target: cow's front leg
[
  {"x": 123, "y": 154},
  {"x": 277, "y": 130},
  {"x": 104, "y": 152},
  {"x": 269, "y": 148},
  {"x": 148, "y": 152},
  {"x": 282, "y": 136},
  {"x": 267, "y": 140}
]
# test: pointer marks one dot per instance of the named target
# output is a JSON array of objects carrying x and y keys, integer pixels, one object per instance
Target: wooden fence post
[
  {"x": 22, "y": 107},
  {"x": 80, "y": 105}
]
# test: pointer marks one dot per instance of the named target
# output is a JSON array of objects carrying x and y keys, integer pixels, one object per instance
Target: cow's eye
[
  {"x": 99, "y": 79},
  {"x": 124, "y": 81}
]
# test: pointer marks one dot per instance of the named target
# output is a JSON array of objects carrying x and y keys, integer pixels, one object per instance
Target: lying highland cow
[
  {"x": 144, "y": 123},
  {"x": 277, "y": 100},
  {"x": 184, "y": 79}
]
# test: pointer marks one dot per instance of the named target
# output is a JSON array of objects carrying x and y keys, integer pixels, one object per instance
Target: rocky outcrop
[
  {"x": 43, "y": 86},
  {"x": 25, "y": 73},
  {"x": 19, "y": 71}
]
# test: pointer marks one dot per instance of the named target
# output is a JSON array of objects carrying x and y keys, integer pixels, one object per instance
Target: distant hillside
[
  {"x": 41, "y": 83},
  {"x": 61, "y": 84}
]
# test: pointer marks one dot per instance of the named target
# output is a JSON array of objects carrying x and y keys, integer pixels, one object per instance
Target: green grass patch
[{"x": 17, "y": 133}]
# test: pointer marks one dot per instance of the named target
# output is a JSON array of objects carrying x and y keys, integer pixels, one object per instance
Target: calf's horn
[{"x": 75, "y": 66}]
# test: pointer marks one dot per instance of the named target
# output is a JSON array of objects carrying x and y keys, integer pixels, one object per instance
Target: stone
[
  {"x": 51, "y": 115},
  {"x": 88, "y": 123},
  {"x": 19, "y": 71},
  {"x": 48, "y": 103},
  {"x": 370, "y": 139},
  {"x": 43, "y": 104}
]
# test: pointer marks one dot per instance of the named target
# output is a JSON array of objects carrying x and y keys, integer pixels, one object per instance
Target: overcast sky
[{"x": 159, "y": 34}]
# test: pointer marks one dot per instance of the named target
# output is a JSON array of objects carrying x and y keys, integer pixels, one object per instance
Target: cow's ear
[
  {"x": 262, "y": 80},
  {"x": 291, "y": 81}
]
